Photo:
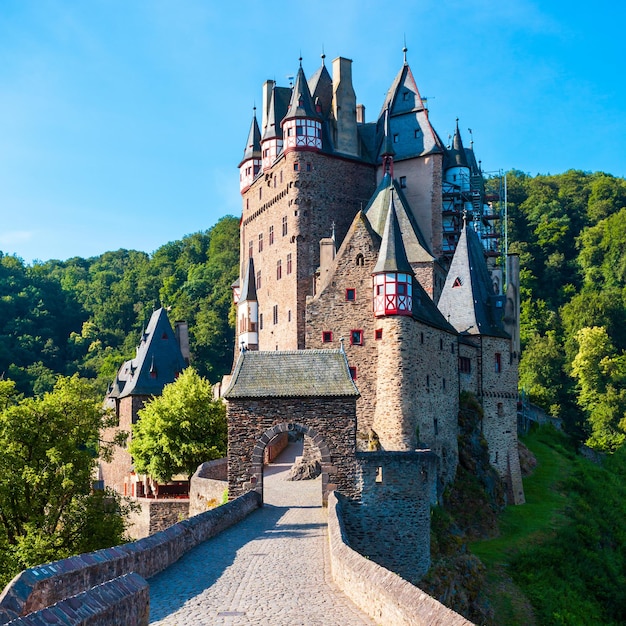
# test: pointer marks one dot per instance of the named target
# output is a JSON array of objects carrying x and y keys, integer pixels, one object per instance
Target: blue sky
[{"x": 122, "y": 122}]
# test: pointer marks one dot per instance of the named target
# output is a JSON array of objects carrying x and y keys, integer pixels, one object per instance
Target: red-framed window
[
  {"x": 350, "y": 294},
  {"x": 393, "y": 294},
  {"x": 356, "y": 337},
  {"x": 352, "y": 369},
  {"x": 327, "y": 336},
  {"x": 378, "y": 333}
]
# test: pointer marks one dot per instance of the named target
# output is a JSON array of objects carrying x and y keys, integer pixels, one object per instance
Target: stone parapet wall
[
  {"x": 124, "y": 600},
  {"x": 207, "y": 486},
  {"x": 154, "y": 515},
  {"x": 39, "y": 587},
  {"x": 383, "y": 595}
]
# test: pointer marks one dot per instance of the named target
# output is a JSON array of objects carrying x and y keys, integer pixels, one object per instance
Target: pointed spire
[
  {"x": 301, "y": 104},
  {"x": 392, "y": 255},
  {"x": 248, "y": 289},
  {"x": 404, "y": 51},
  {"x": 456, "y": 154},
  {"x": 253, "y": 145}
]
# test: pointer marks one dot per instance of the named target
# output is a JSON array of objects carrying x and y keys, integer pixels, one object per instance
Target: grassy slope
[{"x": 525, "y": 525}]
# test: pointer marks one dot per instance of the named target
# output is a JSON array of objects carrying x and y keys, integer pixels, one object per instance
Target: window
[
  {"x": 260, "y": 321},
  {"x": 300, "y": 129},
  {"x": 427, "y": 380},
  {"x": 417, "y": 133},
  {"x": 308, "y": 167},
  {"x": 403, "y": 182},
  {"x": 443, "y": 384},
  {"x": 457, "y": 282},
  {"x": 271, "y": 235},
  {"x": 289, "y": 263},
  {"x": 250, "y": 249},
  {"x": 436, "y": 425},
  {"x": 296, "y": 166},
  {"x": 260, "y": 242},
  {"x": 266, "y": 152},
  {"x": 275, "y": 314},
  {"x": 352, "y": 369},
  {"x": 360, "y": 261},
  {"x": 500, "y": 409},
  {"x": 378, "y": 334},
  {"x": 284, "y": 225},
  {"x": 289, "y": 315},
  {"x": 356, "y": 337},
  {"x": 258, "y": 279},
  {"x": 279, "y": 269},
  {"x": 498, "y": 362},
  {"x": 452, "y": 348},
  {"x": 395, "y": 138},
  {"x": 441, "y": 344},
  {"x": 327, "y": 336},
  {"x": 350, "y": 295},
  {"x": 465, "y": 365},
  {"x": 421, "y": 337},
  {"x": 379, "y": 475},
  {"x": 260, "y": 192}
]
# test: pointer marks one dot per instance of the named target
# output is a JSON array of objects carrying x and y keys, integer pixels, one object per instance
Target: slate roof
[
  {"x": 279, "y": 102},
  {"x": 467, "y": 299},
  {"x": 291, "y": 374},
  {"x": 456, "y": 155},
  {"x": 407, "y": 113},
  {"x": 253, "y": 145},
  {"x": 321, "y": 87},
  {"x": 301, "y": 104},
  {"x": 248, "y": 289},
  {"x": 392, "y": 255},
  {"x": 158, "y": 361},
  {"x": 417, "y": 250}
]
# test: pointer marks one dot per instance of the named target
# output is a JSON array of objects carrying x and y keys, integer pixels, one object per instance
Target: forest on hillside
[{"x": 85, "y": 315}]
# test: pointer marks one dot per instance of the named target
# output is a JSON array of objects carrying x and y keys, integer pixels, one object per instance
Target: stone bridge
[{"x": 285, "y": 563}]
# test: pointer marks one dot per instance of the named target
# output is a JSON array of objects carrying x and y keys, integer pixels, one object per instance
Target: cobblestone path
[{"x": 272, "y": 568}]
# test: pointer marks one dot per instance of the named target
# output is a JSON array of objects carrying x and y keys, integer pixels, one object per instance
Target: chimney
[
  {"x": 327, "y": 254},
  {"x": 268, "y": 85},
  {"x": 344, "y": 107},
  {"x": 181, "y": 330},
  {"x": 360, "y": 114}
]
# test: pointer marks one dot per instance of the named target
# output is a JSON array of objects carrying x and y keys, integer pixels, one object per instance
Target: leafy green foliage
[
  {"x": 179, "y": 429},
  {"x": 49, "y": 451}
]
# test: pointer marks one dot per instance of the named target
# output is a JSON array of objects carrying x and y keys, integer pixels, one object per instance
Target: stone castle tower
[{"x": 374, "y": 237}]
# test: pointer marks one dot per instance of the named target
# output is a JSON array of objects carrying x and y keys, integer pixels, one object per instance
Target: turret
[
  {"x": 248, "y": 311},
  {"x": 456, "y": 167},
  {"x": 250, "y": 165},
  {"x": 302, "y": 125},
  {"x": 392, "y": 274},
  {"x": 276, "y": 107}
]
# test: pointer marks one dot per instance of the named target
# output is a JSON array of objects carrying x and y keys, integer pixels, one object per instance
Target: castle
[{"x": 376, "y": 242}]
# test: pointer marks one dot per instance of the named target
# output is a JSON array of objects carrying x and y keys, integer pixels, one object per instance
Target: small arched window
[{"x": 360, "y": 260}]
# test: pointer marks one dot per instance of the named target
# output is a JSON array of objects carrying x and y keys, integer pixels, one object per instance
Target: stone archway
[{"x": 256, "y": 466}]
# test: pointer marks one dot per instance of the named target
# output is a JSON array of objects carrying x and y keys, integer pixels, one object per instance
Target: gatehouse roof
[{"x": 292, "y": 373}]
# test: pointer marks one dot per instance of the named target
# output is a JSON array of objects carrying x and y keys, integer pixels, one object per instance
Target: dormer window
[{"x": 457, "y": 282}]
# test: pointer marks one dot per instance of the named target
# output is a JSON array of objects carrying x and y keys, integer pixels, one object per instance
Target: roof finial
[
  {"x": 323, "y": 55},
  {"x": 464, "y": 218},
  {"x": 404, "y": 50},
  {"x": 332, "y": 226},
  {"x": 300, "y": 59},
  {"x": 471, "y": 138},
  {"x": 341, "y": 346}
]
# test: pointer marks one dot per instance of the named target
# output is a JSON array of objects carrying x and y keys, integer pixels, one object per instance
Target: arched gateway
[{"x": 308, "y": 391}]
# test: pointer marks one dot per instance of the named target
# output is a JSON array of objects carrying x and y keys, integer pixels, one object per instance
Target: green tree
[
  {"x": 49, "y": 451},
  {"x": 180, "y": 429}
]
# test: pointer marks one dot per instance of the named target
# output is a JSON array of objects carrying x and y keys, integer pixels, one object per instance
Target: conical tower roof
[
  {"x": 455, "y": 156},
  {"x": 248, "y": 289},
  {"x": 253, "y": 145},
  {"x": 278, "y": 105},
  {"x": 321, "y": 88},
  {"x": 467, "y": 299},
  {"x": 392, "y": 255},
  {"x": 301, "y": 104}
]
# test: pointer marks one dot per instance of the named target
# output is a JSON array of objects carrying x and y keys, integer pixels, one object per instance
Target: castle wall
[
  {"x": 115, "y": 473},
  {"x": 418, "y": 390},
  {"x": 395, "y": 490},
  {"x": 322, "y": 190},
  {"x": 329, "y": 421},
  {"x": 499, "y": 400},
  {"x": 153, "y": 516},
  {"x": 330, "y": 311}
]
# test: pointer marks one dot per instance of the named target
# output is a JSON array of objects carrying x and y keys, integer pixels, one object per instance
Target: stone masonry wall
[
  {"x": 330, "y": 422},
  {"x": 155, "y": 515},
  {"x": 330, "y": 311},
  {"x": 207, "y": 486},
  {"x": 44, "y": 585},
  {"x": 390, "y": 521},
  {"x": 115, "y": 472},
  {"x": 382, "y": 594},
  {"x": 418, "y": 378},
  {"x": 322, "y": 190}
]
